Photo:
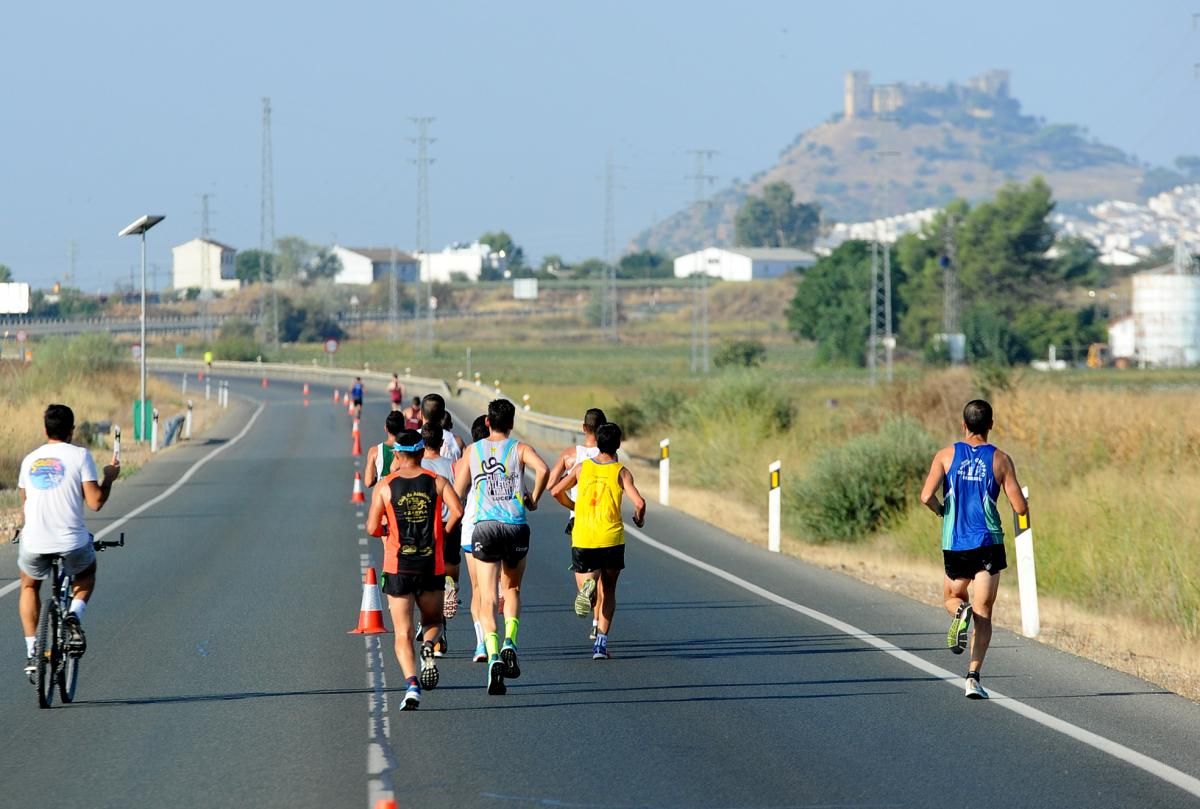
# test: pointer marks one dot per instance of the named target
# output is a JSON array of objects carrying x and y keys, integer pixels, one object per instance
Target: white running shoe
[
  {"x": 974, "y": 690},
  {"x": 450, "y": 599}
]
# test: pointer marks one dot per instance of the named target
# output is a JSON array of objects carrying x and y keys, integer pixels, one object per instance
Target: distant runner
[
  {"x": 494, "y": 478},
  {"x": 433, "y": 411},
  {"x": 356, "y": 396},
  {"x": 379, "y": 456},
  {"x": 598, "y": 535},
  {"x": 411, "y": 498},
  {"x": 971, "y": 474},
  {"x": 412, "y": 415},
  {"x": 396, "y": 392},
  {"x": 568, "y": 460}
]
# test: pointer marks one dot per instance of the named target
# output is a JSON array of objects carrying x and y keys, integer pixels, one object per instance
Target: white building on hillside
[
  {"x": 461, "y": 261},
  {"x": 743, "y": 263},
  {"x": 204, "y": 264},
  {"x": 365, "y": 265}
]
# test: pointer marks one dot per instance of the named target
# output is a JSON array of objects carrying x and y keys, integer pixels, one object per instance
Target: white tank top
[
  {"x": 450, "y": 449},
  {"x": 582, "y": 453}
]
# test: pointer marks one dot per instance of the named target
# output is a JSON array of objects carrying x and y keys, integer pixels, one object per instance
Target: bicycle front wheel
[
  {"x": 68, "y": 677},
  {"x": 46, "y": 651}
]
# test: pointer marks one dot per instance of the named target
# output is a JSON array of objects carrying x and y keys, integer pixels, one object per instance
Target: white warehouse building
[
  {"x": 743, "y": 263},
  {"x": 204, "y": 264},
  {"x": 1163, "y": 330},
  {"x": 461, "y": 261},
  {"x": 366, "y": 265}
]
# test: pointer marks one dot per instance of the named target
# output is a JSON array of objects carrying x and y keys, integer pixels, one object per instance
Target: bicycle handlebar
[{"x": 101, "y": 544}]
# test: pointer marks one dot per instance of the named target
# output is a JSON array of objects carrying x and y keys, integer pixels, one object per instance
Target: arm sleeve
[{"x": 88, "y": 472}]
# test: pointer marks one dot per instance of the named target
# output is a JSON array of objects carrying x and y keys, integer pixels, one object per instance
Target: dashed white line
[{"x": 381, "y": 760}]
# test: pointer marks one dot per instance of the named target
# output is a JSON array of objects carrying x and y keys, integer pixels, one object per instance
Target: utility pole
[
  {"x": 882, "y": 340},
  {"x": 423, "y": 160},
  {"x": 206, "y": 291},
  {"x": 393, "y": 302},
  {"x": 72, "y": 255},
  {"x": 950, "y": 325},
  {"x": 266, "y": 233},
  {"x": 700, "y": 357}
]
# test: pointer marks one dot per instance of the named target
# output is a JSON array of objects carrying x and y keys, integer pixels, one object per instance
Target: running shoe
[
  {"x": 586, "y": 598},
  {"x": 441, "y": 645},
  {"x": 956, "y": 635},
  {"x": 974, "y": 690},
  {"x": 450, "y": 599},
  {"x": 412, "y": 698},
  {"x": 76, "y": 641},
  {"x": 429, "y": 669},
  {"x": 600, "y": 649},
  {"x": 31, "y": 668},
  {"x": 495, "y": 677},
  {"x": 480, "y": 654},
  {"x": 508, "y": 654}
]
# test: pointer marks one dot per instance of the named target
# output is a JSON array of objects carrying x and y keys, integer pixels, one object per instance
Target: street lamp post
[
  {"x": 355, "y": 316},
  {"x": 138, "y": 228}
]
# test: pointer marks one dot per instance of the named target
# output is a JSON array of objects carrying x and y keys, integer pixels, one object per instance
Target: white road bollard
[
  {"x": 478, "y": 380},
  {"x": 117, "y": 443},
  {"x": 664, "y": 472},
  {"x": 183, "y": 386},
  {"x": 525, "y": 398},
  {"x": 227, "y": 395},
  {"x": 496, "y": 385},
  {"x": 154, "y": 430},
  {"x": 207, "y": 389},
  {"x": 773, "y": 509},
  {"x": 1026, "y": 574},
  {"x": 187, "y": 423}
]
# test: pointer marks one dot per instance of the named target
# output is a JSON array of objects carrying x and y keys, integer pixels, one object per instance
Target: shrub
[
  {"x": 237, "y": 348},
  {"x": 740, "y": 354},
  {"x": 858, "y": 488},
  {"x": 629, "y": 416}
]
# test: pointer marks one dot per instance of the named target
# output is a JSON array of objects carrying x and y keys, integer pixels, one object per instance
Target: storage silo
[{"x": 1166, "y": 314}]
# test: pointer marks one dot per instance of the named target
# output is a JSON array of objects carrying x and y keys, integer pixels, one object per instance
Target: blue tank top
[{"x": 969, "y": 493}]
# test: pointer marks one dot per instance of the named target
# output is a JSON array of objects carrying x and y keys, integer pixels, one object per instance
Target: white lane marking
[
  {"x": 1155, "y": 767},
  {"x": 174, "y": 487},
  {"x": 381, "y": 760},
  {"x": 362, "y": 541}
]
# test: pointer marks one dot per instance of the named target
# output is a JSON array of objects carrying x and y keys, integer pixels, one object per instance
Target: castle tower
[{"x": 858, "y": 94}]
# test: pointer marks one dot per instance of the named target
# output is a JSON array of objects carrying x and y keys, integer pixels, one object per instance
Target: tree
[
  {"x": 6, "y": 274},
  {"x": 589, "y": 268},
  {"x": 251, "y": 265},
  {"x": 324, "y": 265},
  {"x": 774, "y": 220},
  {"x": 292, "y": 257},
  {"x": 501, "y": 242},
  {"x": 645, "y": 264},
  {"x": 740, "y": 354},
  {"x": 831, "y": 306}
]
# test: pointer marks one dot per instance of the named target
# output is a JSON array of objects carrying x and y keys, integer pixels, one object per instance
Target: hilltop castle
[{"x": 866, "y": 100}]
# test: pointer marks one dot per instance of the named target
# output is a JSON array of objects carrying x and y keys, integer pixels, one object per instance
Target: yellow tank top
[{"x": 598, "y": 506}]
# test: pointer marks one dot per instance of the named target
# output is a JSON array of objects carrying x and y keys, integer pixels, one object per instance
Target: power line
[
  {"x": 422, "y": 161},
  {"x": 206, "y": 291},
  {"x": 700, "y": 357}
]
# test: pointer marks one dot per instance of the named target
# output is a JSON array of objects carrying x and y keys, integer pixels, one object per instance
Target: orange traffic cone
[
  {"x": 356, "y": 449},
  {"x": 370, "y": 615},
  {"x": 305, "y": 388},
  {"x": 337, "y": 397},
  {"x": 346, "y": 398},
  {"x": 349, "y": 410},
  {"x": 306, "y": 402},
  {"x": 356, "y": 494},
  {"x": 384, "y": 803},
  {"x": 264, "y": 381}
]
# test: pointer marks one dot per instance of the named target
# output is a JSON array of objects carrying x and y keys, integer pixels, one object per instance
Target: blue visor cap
[{"x": 410, "y": 447}]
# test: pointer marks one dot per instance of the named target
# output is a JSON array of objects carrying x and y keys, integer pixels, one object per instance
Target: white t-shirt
[
  {"x": 450, "y": 449},
  {"x": 52, "y": 477}
]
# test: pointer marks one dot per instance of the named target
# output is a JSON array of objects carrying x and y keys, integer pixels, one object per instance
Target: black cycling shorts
[
  {"x": 586, "y": 560},
  {"x": 413, "y": 584},
  {"x": 965, "y": 564},
  {"x": 496, "y": 541}
]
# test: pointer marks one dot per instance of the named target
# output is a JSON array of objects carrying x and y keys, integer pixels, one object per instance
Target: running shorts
[
  {"x": 452, "y": 547},
  {"x": 37, "y": 565},
  {"x": 965, "y": 564},
  {"x": 413, "y": 584},
  {"x": 497, "y": 541},
  {"x": 586, "y": 560}
]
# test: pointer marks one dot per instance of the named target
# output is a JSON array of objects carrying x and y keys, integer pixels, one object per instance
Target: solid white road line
[
  {"x": 174, "y": 487},
  {"x": 1155, "y": 767},
  {"x": 381, "y": 760}
]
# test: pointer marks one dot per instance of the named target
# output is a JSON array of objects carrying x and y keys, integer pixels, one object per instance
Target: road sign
[
  {"x": 331, "y": 346},
  {"x": 21, "y": 335}
]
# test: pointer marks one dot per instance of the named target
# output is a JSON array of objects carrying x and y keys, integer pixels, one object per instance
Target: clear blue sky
[{"x": 109, "y": 111}]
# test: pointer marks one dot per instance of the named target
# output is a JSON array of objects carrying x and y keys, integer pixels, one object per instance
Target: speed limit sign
[{"x": 331, "y": 346}]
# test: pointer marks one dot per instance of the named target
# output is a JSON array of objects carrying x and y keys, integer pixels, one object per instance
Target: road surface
[{"x": 219, "y": 671}]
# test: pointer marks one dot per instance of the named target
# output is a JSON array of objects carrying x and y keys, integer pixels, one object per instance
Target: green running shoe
[
  {"x": 585, "y": 599},
  {"x": 956, "y": 635}
]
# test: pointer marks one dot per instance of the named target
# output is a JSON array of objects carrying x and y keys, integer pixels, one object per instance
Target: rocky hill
[{"x": 898, "y": 148}]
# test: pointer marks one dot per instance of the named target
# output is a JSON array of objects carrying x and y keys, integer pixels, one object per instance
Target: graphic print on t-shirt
[
  {"x": 46, "y": 473},
  {"x": 412, "y": 508}
]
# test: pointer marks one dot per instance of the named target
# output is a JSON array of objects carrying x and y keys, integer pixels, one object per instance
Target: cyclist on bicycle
[{"x": 56, "y": 479}]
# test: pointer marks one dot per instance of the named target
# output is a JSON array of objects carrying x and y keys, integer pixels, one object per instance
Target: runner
[
  {"x": 598, "y": 533},
  {"x": 413, "y": 569},
  {"x": 479, "y": 431},
  {"x": 356, "y": 396},
  {"x": 54, "y": 483},
  {"x": 396, "y": 392},
  {"x": 568, "y": 459},
  {"x": 971, "y": 474},
  {"x": 379, "y": 456},
  {"x": 412, "y": 415},
  {"x": 433, "y": 411},
  {"x": 434, "y": 462},
  {"x": 494, "y": 476}
]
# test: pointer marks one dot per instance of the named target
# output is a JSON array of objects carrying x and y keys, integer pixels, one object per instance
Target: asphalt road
[{"x": 219, "y": 672}]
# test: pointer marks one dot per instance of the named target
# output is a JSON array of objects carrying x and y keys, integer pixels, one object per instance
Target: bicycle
[{"x": 56, "y": 666}]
